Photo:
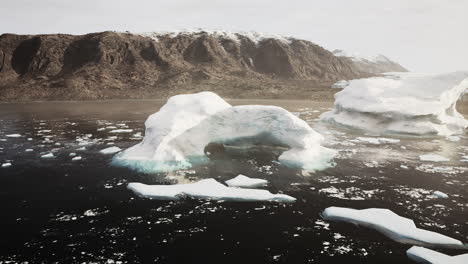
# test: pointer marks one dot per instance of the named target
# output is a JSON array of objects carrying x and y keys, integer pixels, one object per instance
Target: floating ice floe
[
  {"x": 433, "y": 157},
  {"x": 424, "y": 255},
  {"x": 340, "y": 84},
  {"x": 13, "y": 135},
  {"x": 243, "y": 181},
  {"x": 404, "y": 103},
  {"x": 29, "y": 150},
  {"x": 397, "y": 228},
  {"x": 376, "y": 141},
  {"x": 6, "y": 165},
  {"x": 76, "y": 158},
  {"x": 177, "y": 135},
  {"x": 47, "y": 156},
  {"x": 205, "y": 189},
  {"x": 440, "y": 194},
  {"x": 121, "y": 131},
  {"x": 110, "y": 150}
]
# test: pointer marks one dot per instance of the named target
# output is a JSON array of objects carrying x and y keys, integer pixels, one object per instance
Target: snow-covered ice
[
  {"x": 243, "y": 181},
  {"x": 424, "y": 255},
  {"x": 110, "y": 150},
  {"x": 205, "y": 189},
  {"x": 47, "y": 156},
  {"x": 397, "y": 228},
  {"x": 403, "y": 103},
  {"x": 177, "y": 135},
  {"x": 433, "y": 157}
]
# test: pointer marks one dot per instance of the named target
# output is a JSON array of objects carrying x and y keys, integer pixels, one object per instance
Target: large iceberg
[
  {"x": 397, "y": 228},
  {"x": 177, "y": 136},
  {"x": 205, "y": 189},
  {"x": 402, "y": 103},
  {"x": 424, "y": 255}
]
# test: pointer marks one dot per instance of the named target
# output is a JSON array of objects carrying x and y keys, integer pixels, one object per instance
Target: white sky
[{"x": 423, "y": 35}]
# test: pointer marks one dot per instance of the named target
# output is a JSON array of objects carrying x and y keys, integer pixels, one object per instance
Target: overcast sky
[{"x": 423, "y": 35}]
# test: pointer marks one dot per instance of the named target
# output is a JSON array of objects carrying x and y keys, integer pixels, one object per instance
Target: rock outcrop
[{"x": 124, "y": 65}]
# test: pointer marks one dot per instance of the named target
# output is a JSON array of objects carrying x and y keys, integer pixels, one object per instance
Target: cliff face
[
  {"x": 123, "y": 65},
  {"x": 371, "y": 64}
]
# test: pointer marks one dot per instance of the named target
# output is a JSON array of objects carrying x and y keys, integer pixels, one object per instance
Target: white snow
[
  {"x": 361, "y": 57},
  {"x": 205, "y": 189},
  {"x": 13, "y": 135},
  {"x": 176, "y": 136},
  {"x": 243, "y": 181},
  {"x": 440, "y": 194},
  {"x": 47, "y": 156},
  {"x": 110, "y": 150},
  {"x": 6, "y": 165},
  {"x": 405, "y": 103},
  {"x": 397, "y": 228},
  {"x": 424, "y": 255},
  {"x": 433, "y": 157},
  {"x": 340, "y": 84}
]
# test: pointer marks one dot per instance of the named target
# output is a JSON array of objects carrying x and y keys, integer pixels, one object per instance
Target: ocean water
[{"x": 56, "y": 210}]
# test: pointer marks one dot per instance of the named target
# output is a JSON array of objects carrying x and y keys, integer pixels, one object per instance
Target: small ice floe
[
  {"x": 30, "y": 139},
  {"x": 205, "y": 189},
  {"x": 376, "y": 141},
  {"x": 453, "y": 138},
  {"x": 73, "y": 154},
  {"x": 397, "y": 228},
  {"x": 110, "y": 150},
  {"x": 404, "y": 167},
  {"x": 6, "y": 165},
  {"x": 29, "y": 150},
  {"x": 424, "y": 255},
  {"x": 121, "y": 131},
  {"x": 76, "y": 158},
  {"x": 47, "y": 156},
  {"x": 440, "y": 194},
  {"x": 13, "y": 135},
  {"x": 243, "y": 181},
  {"x": 433, "y": 157},
  {"x": 81, "y": 149},
  {"x": 101, "y": 129}
]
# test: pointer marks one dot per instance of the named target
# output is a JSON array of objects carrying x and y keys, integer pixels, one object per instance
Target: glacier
[
  {"x": 395, "y": 227},
  {"x": 205, "y": 189},
  {"x": 402, "y": 103},
  {"x": 424, "y": 255},
  {"x": 176, "y": 136}
]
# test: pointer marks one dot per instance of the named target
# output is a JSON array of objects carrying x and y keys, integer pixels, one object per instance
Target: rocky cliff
[{"x": 124, "y": 65}]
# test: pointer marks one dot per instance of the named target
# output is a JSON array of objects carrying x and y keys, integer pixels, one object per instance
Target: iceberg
[
  {"x": 397, "y": 228},
  {"x": 433, "y": 157},
  {"x": 205, "y": 189},
  {"x": 424, "y": 255},
  {"x": 48, "y": 156},
  {"x": 6, "y": 165},
  {"x": 110, "y": 150},
  {"x": 177, "y": 135},
  {"x": 440, "y": 194},
  {"x": 242, "y": 181},
  {"x": 402, "y": 103}
]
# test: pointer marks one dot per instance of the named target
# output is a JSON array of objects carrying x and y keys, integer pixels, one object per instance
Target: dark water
[{"x": 62, "y": 211}]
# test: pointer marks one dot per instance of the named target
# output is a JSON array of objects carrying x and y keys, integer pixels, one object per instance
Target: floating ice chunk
[
  {"x": 6, "y": 165},
  {"x": 406, "y": 103},
  {"x": 30, "y": 139},
  {"x": 110, "y": 150},
  {"x": 76, "y": 158},
  {"x": 453, "y": 138},
  {"x": 29, "y": 150},
  {"x": 424, "y": 255},
  {"x": 72, "y": 154},
  {"x": 397, "y": 228},
  {"x": 13, "y": 135},
  {"x": 243, "y": 181},
  {"x": 121, "y": 131},
  {"x": 205, "y": 189},
  {"x": 440, "y": 194},
  {"x": 47, "y": 156},
  {"x": 433, "y": 157},
  {"x": 177, "y": 135},
  {"x": 81, "y": 149},
  {"x": 340, "y": 84},
  {"x": 377, "y": 141}
]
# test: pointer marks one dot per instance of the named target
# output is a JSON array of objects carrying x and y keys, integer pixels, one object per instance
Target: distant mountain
[
  {"x": 156, "y": 65},
  {"x": 372, "y": 64}
]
